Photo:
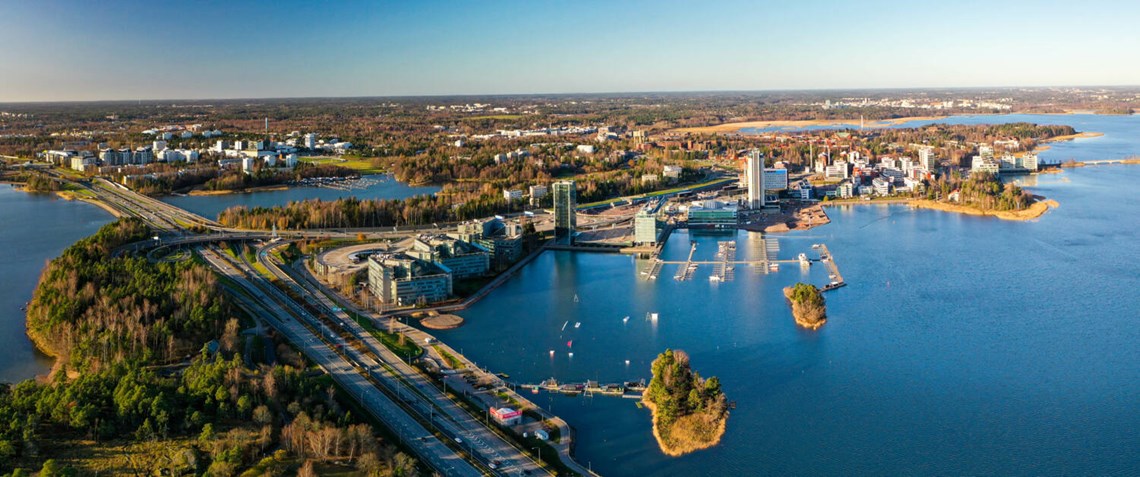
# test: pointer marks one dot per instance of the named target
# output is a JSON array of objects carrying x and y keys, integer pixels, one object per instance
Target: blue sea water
[{"x": 962, "y": 346}]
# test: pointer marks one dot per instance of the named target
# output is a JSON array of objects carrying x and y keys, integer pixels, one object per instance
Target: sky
[{"x": 63, "y": 50}]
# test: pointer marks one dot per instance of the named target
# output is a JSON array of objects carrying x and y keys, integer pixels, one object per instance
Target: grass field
[{"x": 359, "y": 164}]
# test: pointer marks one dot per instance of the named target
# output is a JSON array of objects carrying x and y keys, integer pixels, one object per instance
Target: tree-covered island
[
  {"x": 689, "y": 412},
  {"x": 808, "y": 306}
]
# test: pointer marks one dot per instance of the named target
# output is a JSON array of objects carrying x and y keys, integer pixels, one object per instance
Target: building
[
  {"x": 459, "y": 258},
  {"x": 310, "y": 141},
  {"x": 586, "y": 149},
  {"x": 645, "y": 227},
  {"x": 805, "y": 190},
  {"x": 713, "y": 213},
  {"x": 881, "y": 186},
  {"x": 838, "y": 170},
  {"x": 671, "y": 172},
  {"x": 755, "y": 176},
  {"x": 398, "y": 279},
  {"x": 247, "y": 164},
  {"x": 506, "y": 416},
  {"x": 1015, "y": 164},
  {"x": 775, "y": 180},
  {"x": 984, "y": 164},
  {"x": 512, "y": 194},
  {"x": 82, "y": 163},
  {"x": 845, "y": 190},
  {"x": 565, "y": 210},
  {"x": 537, "y": 191},
  {"x": 927, "y": 160},
  {"x": 503, "y": 241}
]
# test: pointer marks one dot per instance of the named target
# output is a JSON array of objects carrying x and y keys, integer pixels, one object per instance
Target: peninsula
[
  {"x": 808, "y": 307},
  {"x": 689, "y": 413}
]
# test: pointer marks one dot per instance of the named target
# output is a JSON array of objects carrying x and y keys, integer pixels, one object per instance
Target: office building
[
  {"x": 775, "y": 180},
  {"x": 398, "y": 279},
  {"x": 755, "y": 176},
  {"x": 565, "y": 209},
  {"x": 460, "y": 259},
  {"x": 645, "y": 229},
  {"x": 712, "y": 214}
]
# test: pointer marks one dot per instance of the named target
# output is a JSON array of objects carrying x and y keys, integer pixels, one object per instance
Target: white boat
[
  {"x": 653, "y": 316},
  {"x": 714, "y": 278},
  {"x": 571, "y": 354},
  {"x": 577, "y": 324},
  {"x": 575, "y": 298},
  {"x": 625, "y": 320},
  {"x": 564, "y": 325}
]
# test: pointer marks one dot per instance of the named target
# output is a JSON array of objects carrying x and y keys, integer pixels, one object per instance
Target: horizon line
[{"x": 597, "y": 93}]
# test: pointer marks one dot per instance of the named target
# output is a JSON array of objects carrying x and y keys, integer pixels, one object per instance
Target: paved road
[
  {"x": 565, "y": 443},
  {"x": 457, "y": 422},
  {"x": 429, "y": 448}
]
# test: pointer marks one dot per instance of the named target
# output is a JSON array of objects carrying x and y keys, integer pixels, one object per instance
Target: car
[{"x": 458, "y": 440}]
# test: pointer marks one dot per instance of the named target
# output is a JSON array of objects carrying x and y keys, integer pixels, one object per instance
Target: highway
[
  {"x": 427, "y": 446},
  {"x": 478, "y": 438}
]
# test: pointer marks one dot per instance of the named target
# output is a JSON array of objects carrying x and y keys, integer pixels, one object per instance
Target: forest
[
  {"x": 155, "y": 377},
  {"x": 984, "y": 191},
  {"x": 160, "y": 179}
]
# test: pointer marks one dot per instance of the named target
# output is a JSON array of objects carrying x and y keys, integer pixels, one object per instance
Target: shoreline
[
  {"x": 737, "y": 126},
  {"x": 248, "y": 190},
  {"x": 674, "y": 451},
  {"x": 1035, "y": 210}
]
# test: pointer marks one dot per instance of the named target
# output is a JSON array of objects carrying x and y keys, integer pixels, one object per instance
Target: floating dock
[{"x": 630, "y": 389}]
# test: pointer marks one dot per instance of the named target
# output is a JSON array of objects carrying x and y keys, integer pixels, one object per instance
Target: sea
[{"x": 962, "y": 345}]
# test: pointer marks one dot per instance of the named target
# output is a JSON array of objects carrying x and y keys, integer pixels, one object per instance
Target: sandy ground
[
  {"x": 1034, "y": 211},
  {"x": 442, "y": 322}
]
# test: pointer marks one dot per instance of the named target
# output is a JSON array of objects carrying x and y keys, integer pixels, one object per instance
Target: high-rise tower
[
  {"x": 755, "y": 175},
  {"x": 565, "y": 205}
]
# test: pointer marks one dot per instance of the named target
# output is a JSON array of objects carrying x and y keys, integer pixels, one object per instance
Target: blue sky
[{"x": 128, "y": 49}]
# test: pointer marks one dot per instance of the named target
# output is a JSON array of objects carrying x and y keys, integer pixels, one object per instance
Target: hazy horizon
[{"x": 126, "y": 50}]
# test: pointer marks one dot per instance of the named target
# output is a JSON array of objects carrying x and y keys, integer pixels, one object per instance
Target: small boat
[
  {"x": 564, "y": 325},
  {"x": 577, "y": 324},
  {"x": 653, "y": 316},
  {"x": 575, "y": 298},
  {"x": 571, "y": 354},
  {"x": 552, "y": 353},
  {"x": 570, "y": 344},
  {"x": 714, "y": 278},
  {"x": 625, "y": 320},
  {"x": 627, "y": 362}
]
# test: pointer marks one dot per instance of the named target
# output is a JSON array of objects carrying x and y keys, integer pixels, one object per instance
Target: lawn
[{"x": 362, "y": 165}]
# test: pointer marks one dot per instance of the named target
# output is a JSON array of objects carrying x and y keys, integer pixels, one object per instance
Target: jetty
[
  {"x": 836, "y": 278},
  {"x": 629, "y": 390}
]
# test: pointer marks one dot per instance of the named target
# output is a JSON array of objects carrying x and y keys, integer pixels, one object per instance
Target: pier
[
  {"x": 832, "y": 268},
  {"x": 723, "y": 270},
  {"x": 629, "y": 390},
  {"x": 686, "y": 272}
]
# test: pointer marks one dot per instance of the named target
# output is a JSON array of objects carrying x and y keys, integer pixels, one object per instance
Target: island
[
  {"x": 808, "y": 307},
  {"x": 689, "y": 412}
]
